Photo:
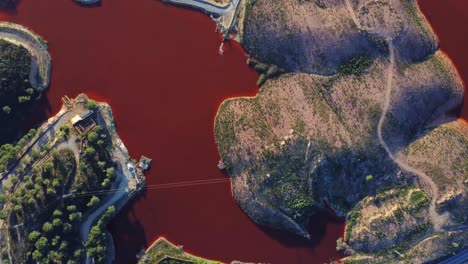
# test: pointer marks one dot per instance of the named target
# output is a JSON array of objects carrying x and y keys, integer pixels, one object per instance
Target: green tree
[
  {"x": 47, "y": 227},
  {"x": 31, "y": 202},
  {"x": 17, "y": 208},
  {"x": 35, "y": 154},
  {"x": 37, "y": 256},
  {"x": 6, "y": 109},
  {"x": 51, "y": 192},
  {"x": 30, "y": 91},
  {"x": 71, "y": 208},
  {"x": 105, "y": 183},
  {"x": 33, "y": 236},
  {"x": 57, "y": 213},
  {"x": 93, "y": 201},
  {"x": 3, "y": 198},
  {"x": 41, "y": 244},
  {"x": 48, "y": 166},
  {"x": 14, "y": 180},
  {"x": 89, "y": 151},
  {"x": 110, "y": 172},
  {"x": 24, "y": 99},
  {"x": 91, "y": 104},
  {"x": 57, "y": 222},
  {"x": 75, "y": 217},
  {"x": 92, "y": 137}
]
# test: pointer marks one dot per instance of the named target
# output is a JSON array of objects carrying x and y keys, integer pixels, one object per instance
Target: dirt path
[{"x": 436, "y": 219}]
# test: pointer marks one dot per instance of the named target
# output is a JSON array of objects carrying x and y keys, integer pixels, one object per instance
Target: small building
[
  {"x": 144, "y": 163},
  {"x": 83, "y": 122},
  {"x": 78, "y": 118}
]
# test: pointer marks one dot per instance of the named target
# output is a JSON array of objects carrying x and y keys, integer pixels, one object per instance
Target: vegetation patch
[
  {"x": 44, "y": 204},
  {"x": 356, "y": 65},
  {"x": 98, "y": 239},
  {"x": 16, "y": 94}
]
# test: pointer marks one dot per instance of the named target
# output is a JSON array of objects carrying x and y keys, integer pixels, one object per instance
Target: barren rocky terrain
[{"x": 310, "y": 135}]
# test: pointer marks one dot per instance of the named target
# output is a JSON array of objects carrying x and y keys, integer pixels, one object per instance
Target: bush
[
  {"x": 33, "y": 236},
  {"x": 91, "y": 104},
  {"x": 93, "y": 201},
  {"x": 369, "y": 178},
  {"x": 24, "y": 99},
  {"x": 30, "y": 91},
  {"x": 261, "y": 80},
  {"x": 47, "y": 227},
  {"x": 6, "y": 109},
  {"x": 356, "y": 65}
]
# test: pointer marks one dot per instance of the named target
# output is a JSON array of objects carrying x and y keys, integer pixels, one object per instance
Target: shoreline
[
  {"x": 121, "y": 156},
  {"x": 171, "y": 251},
  {"x": 223, "y": 15},
  {"x": 40, "y": 57}
]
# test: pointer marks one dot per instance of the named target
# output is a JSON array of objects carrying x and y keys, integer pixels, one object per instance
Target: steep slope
[{"x": 319, "y": 36}]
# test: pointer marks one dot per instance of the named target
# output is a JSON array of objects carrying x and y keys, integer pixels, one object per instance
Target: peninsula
[{"x": 73, "y": 174}]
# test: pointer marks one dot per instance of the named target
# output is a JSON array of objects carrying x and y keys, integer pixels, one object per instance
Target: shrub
[
  {"x": 91, "y": 104},
  {"x": 6, "y": 109},
  {"x": 356, "y": 65},
  {"x": 24, "y": 99},
  {"x": 261, "y": 79}
]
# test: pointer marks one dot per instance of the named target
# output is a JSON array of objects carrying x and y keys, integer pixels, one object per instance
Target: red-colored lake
[
  {"x": 159, "y": 68},
  {"x": 449, "y": 20}
]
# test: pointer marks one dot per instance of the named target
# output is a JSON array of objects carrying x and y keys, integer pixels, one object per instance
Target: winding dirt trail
[{"x": 436, "y": 219}]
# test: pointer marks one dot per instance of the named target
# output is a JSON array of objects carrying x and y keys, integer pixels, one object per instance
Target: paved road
[
  {"x": 96, "y": 214},
  {"x": 44, "y": 138},
  {"x": 460, "y": 258},
  {"x": 113, "y": 198},
  {"x": 207, "y": 7},
  {"x": 41, "y": 60}
]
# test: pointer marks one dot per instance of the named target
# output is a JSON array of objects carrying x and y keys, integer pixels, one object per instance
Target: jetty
[{"x": 144, "y": 163}]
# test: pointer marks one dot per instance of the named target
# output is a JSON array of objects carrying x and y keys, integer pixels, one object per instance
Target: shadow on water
[
  {"x": 317, "y": 229},
  {"x": 93, "y": 5},
  {"x": 133, "y": 233},
  {"x": 23, "y": 119}
]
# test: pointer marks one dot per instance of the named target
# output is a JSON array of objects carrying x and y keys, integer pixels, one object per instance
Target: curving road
[
  {"x": 96, "y": 214},
  {"x": 460, "y": 258},
  {"x": 206, "y": 6},
  {"x": 41, "y": 60}
]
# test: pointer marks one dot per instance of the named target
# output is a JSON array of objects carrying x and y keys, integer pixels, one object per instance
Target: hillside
[{"x": 311, "y": 135}]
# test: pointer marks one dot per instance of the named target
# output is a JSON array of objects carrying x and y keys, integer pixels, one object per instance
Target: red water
[
  {"x": 159, "y": 68},
  {"x": 449, "y": 20}
]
